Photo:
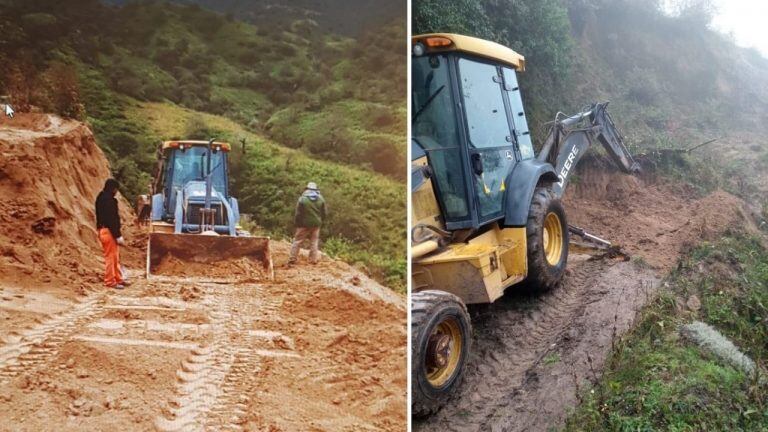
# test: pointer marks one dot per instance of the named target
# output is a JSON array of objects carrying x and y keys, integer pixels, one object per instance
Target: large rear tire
[
  {"x": 440, "y": 343},
  {"x": 547, "y": 231}
]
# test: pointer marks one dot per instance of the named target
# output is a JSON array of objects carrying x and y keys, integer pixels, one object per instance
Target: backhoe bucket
[{"x": 212, "y": 258}]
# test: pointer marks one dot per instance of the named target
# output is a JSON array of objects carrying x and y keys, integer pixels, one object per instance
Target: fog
[{"x": 743, "y": 20}]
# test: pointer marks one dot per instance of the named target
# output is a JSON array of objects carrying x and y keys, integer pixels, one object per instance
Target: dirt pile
[
  {"x": 50, "y": 173},
  {"x": 649, "y": 217},
  {"x": 236, "y": 268}
]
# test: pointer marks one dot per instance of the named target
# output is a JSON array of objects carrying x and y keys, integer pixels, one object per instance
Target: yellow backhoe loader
[
  {"x": 194, "y": 219},
  {"x": 486, "y": 210}
]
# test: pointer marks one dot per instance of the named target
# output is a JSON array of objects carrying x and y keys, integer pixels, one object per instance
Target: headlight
[{"x": 418, "y": 49}]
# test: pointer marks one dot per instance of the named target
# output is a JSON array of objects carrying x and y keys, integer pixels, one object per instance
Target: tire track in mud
[
  {"x": 512, "y": 336},
  {"x": 230, "y": 410},
  {"x": 201, "y": 374},
  {"x": 38, "y": 345},
  {"x": 213, "y": 381},
  {"x": 611, "y": 303}
]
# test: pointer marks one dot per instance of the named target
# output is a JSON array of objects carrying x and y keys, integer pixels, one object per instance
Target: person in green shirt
[{"x": 310, "y": 214}]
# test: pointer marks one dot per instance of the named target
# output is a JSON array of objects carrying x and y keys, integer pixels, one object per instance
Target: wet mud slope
[
  {"x": 319, "y": 348},
  {"x": 533, "y": 353}
]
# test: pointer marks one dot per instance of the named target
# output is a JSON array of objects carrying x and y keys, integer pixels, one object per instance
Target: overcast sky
[{"x": 746, "y": 20}]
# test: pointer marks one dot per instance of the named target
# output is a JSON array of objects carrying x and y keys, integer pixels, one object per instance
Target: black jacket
[{"x": 107, "y": 215}]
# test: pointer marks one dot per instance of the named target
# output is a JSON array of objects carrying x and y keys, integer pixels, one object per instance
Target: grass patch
[
  {"x": 551, "y": 358},
  {"x": 656, "y": 381}
]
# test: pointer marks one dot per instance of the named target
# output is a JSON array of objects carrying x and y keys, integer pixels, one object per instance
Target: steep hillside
[
  {"x": 336, "y": 16},
  {"x": 208, "y": 62}
]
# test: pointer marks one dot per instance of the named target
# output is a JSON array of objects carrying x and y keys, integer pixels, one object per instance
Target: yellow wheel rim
[
  {"x": 553, "y": 238},
  {"x": 443, "y": 352}
]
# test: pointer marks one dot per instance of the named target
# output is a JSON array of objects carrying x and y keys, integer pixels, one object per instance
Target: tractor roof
[
  {"x": 444, "y": 42},
  {"x": 195, "y": 143}
]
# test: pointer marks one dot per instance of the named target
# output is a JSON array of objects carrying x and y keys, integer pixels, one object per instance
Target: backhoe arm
[{"x": 570, "y": 138}]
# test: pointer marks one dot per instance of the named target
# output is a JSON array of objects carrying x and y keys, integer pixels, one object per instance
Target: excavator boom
[{"x": 570, "y": 138}]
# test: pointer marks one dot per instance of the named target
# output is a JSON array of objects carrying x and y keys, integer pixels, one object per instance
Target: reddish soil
[
  {"x": 532, "y": 354},
  {"x": 241, "y": 268},
  {"x": 50, "y": 174},
  {"x": 320, "y": 348},
  {"x": 648, "y": 217}
]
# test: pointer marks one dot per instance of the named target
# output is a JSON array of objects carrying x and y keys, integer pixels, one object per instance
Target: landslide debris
[
  {"x": 51, "y": 170},
  {"x": 651, "y": 218}
]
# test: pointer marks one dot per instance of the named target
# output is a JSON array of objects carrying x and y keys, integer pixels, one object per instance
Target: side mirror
[
  {"x": 477, "y": 163},
  {"x": 426, "y": 170}
]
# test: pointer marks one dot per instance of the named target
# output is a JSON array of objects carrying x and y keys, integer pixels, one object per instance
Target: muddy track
[
  {"x": 514, "y": 338},
  {"x": 214, "y": 380},
  {"x": 38, "y": 345}
]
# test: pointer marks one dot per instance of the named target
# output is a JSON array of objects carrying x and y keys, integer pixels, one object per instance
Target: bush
[
  {"x": 198, "y": 129},
  {"x": 122, "y": 143},
  {"x": 63, "y": 89},
  {"x": 387, "y": 156}
]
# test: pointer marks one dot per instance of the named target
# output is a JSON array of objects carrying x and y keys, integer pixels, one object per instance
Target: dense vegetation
[
  {"x": 657, "y": 381},
  {"x": 281, "y": 80},
  {"x": 338, "y": 101}
]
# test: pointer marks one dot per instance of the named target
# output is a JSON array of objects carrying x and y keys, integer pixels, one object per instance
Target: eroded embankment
[
  {"x": 532, "y": 353},
  {"x": 50, "y": 174}
]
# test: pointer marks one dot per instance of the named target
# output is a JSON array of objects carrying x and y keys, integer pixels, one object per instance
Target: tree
[
  {"x": 461, "y": 16},
  {"x": 696, "y": 13}
]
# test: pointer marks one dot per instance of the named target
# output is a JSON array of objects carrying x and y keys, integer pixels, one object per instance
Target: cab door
[{"x": 491, "y": 145}]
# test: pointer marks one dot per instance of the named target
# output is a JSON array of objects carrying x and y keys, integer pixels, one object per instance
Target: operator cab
[
  {"x": 469, "y": 120},
  {"x": 185, "y": 165}
]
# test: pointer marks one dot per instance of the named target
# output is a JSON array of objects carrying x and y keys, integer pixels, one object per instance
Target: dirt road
[
  {"x": 320, "y": 348},
  {"x": 296, "y": 354},
  {"x": 533, "y": 354}
]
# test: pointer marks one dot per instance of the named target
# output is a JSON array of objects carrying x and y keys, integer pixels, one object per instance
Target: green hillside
[
  {"x": 253, "y": 74},
  {"x": 309, "y": 105}
]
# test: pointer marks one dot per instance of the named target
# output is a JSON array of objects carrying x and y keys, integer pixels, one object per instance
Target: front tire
[
  {"x": 440, "y": 343},
  {"x": 547, "y": 231}
]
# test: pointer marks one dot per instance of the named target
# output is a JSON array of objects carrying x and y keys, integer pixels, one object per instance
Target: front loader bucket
[{"x": 214, "y": 258}]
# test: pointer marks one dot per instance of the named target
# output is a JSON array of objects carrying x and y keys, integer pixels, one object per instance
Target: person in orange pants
[{"x": 108, "y": 226}]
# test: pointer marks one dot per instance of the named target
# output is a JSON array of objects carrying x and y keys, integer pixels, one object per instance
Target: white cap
[{"x": 312, "y": 186}]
